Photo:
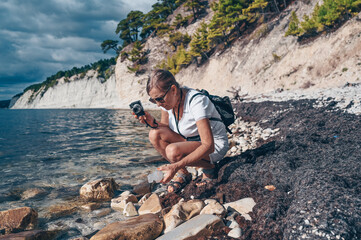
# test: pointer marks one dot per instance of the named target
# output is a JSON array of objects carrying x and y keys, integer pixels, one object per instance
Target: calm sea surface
[{"x": 57, "y": 151}]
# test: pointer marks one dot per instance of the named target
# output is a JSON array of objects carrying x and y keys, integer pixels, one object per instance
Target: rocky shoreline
[{"x": 293, "y": 172}]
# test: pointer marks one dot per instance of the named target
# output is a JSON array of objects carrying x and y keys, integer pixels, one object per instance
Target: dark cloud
[{"x": 39, "y": 38}]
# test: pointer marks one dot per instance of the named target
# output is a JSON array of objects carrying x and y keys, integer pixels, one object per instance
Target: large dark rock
[
  {"x": 18, "y": 219},
  {"x": 145, "y": 227}
]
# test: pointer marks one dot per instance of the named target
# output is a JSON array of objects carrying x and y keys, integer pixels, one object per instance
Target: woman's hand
[
  {"x": 170, "y": 170},
  {"x": 147, "y": 117}
]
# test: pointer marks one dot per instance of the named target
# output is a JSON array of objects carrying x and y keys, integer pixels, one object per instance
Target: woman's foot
[
  {"x": 181, "y": 180},
  {"x": 207, "y": 176}
]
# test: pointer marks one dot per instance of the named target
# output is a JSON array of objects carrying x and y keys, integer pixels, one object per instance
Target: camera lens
[{"x": 137, "y": 108}]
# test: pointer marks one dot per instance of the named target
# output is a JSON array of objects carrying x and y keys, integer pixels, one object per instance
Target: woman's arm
[
  {"x": 201, "y": 151},
  {"x": 206, "y": 147}
]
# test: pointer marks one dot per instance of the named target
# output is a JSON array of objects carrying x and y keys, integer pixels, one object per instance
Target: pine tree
[
  {"x": 195, "y": 6},
  {"x": 293, "y": 26},
  {"x": 177, "y": 38},
  {"x": 252, "y": 13},
  {"x": 199, "y": 43}
]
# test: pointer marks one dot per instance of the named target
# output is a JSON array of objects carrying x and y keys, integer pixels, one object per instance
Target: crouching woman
[{"x": 189, "y": 133}]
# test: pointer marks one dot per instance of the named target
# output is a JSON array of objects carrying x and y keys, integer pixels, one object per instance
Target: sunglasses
[{"x": 160, "y": 99}]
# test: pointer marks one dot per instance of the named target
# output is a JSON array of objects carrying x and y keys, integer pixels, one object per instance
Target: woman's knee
[
  {"x": 154, "y": 136},
  {"x": 173, "y": 153}
]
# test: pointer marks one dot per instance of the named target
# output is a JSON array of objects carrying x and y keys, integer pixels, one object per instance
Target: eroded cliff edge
[{"x": 260, "y": 62}]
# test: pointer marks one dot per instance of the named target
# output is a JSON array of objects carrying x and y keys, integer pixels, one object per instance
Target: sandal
[
  {"x": 207, "y": 177},
  {"x": 177, "y": 185}
]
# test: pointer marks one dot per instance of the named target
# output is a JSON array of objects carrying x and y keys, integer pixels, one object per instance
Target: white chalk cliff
[{"x": 261, "y": 62}]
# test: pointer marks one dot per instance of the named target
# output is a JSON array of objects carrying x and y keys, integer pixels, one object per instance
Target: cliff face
[
  {"x": 87, "y": 92},
  {"x": 261, "y": 62}
]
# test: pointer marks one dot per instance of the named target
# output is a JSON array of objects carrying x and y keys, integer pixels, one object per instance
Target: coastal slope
[{"x": 262, "y": 61}]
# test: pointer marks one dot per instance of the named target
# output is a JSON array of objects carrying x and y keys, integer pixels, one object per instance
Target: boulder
[
  {"x": 99, "y": 190},
  {"x": 145, "y": 227},
  {"x": 199, "y": 226},
  {"x": 242, "y": 206},
  {"x": 151, "y": 205},
  {"x": 30, "y": 235},
  {"x": 142, "y": 188},
  {"x": 215, "y": 208},
  {"x": 18, "y": 219},
  {"x": 129, "y": 210}
]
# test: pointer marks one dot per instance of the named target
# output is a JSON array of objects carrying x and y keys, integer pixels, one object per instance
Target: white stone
[
  {"x": 214, "y": 208},
  {"x": 235, "y": 233},
  {"x": 130, "y": 210},
  {"x": 193, "y": 227},
  {"x": 174, "y": 217},
  {"x": 151, "y": 205},
  {"x": 242, "y": 206},
  {"x": 118, "y": 204},
  {"x": 233, "y": 224}
]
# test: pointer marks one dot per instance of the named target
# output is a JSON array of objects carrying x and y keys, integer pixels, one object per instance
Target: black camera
[{"x": 137, "y": 108}]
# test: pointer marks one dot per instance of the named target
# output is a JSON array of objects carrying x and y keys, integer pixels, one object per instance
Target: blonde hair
[{"x": 162, "y": 79}]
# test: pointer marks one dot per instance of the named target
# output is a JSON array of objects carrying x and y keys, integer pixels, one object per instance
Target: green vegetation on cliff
[
  {"x": 325, "y": 17},
  {"x": 102, "y": 67}
]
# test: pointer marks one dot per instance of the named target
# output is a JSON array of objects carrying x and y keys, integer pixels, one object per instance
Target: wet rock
[
  {"x": 214, "y": 208},
  {"x": 80, "y": 238},
  {"x": 142, "y": 188},
  {"x": 90, "y": 206},
  {"x": 62, "y": 209},
  {"x": 242, "y": 206},
  {"x": 103, "y": 212},
  {"x": 197, "y": 227},
  {"x": 31, "y": 235},
  {"x": 235, "y": 233},
  {"x": 32, "y": 193},
  {"x": 129, "y": 210},
  {"x": 151, "y": 205},
  {"x": 145, "y": 227},
  {"x": 18, "y": 219},
  {"x": 99, "y": 190}
]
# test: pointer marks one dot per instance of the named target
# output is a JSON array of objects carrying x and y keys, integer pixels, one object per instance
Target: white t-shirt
[{"x": 200, "y": 107}]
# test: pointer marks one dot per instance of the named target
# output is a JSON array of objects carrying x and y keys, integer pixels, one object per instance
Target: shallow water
[{"x": 57, "y": 151}]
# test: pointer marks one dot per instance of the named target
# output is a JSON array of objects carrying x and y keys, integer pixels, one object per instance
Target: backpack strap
[{"x": 205, "y": 94}]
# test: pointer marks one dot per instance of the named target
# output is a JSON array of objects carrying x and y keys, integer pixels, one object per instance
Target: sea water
[{"x": 58, "y": 151}]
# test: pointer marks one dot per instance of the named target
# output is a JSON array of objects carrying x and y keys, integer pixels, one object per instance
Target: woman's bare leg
[{"x": 162, "y": 137}]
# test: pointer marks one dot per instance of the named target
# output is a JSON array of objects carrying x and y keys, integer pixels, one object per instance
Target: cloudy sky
[{"x": 38, "y": 38}]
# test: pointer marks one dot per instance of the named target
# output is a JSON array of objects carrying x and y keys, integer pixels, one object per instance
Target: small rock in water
[{"x": 155, "y": 176}]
